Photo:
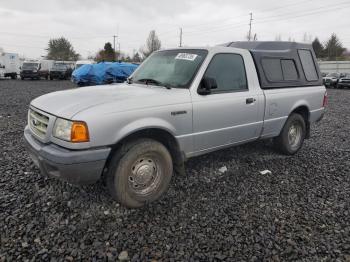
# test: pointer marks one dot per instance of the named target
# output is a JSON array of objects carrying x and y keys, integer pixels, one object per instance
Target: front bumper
[
  {"x": 73, "y": 166},
  {"x": 344, "y": 84},
  {"x": 29, "y": 74},
  {"x": 57, "y": 75}
]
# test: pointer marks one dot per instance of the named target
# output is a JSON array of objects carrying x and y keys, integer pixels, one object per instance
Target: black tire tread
[
  {"x": 280, "y": 143},
  {"x": 112, "y": 169}
]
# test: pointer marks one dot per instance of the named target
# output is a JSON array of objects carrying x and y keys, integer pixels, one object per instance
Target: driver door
[{"x": 229, "y": 114}]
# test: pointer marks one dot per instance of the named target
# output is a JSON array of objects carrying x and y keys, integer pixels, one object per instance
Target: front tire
[
  {"x": 139, "y": 173},
  {"x": 292, "y": 135}
]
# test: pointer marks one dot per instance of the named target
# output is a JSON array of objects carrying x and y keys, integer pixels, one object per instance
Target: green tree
[
  {"x": 152, "y": 44},
  {"x": 61, "y": 49},
  {"x": 127, "y": 59},
  {"x": 136, "y": 58},
  {"x": 318, "y": 48},
  {"x": 334, "y": 48},
  {"x": 107, "y": 54}
]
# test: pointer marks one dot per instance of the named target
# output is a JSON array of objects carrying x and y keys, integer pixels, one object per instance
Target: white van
[
  {"x": 34, "y": 69},
  {"x": 83, "y": 62}
]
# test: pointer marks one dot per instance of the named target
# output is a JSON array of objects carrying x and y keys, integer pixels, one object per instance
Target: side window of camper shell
[
  {"x": 279, "y": 69},
  {"x": 308, "y": 64}
]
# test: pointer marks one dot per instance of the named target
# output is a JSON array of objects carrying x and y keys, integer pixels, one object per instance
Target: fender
[{"x": 142, "y": 124}]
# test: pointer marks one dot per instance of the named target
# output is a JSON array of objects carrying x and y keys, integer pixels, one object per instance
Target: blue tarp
[{"x": 102, "y": 73}]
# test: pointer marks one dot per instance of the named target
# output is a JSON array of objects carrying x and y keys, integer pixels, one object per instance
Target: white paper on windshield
[{"x": 186, "y": 56}]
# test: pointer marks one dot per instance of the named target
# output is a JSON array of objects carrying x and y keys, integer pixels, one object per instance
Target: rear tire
[
  {"x": 292, "y": 135},
  {"x": 139, "y": 173}
]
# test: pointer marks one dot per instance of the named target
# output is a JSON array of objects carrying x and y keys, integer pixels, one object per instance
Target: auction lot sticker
[{"x": 186, "y": 56}]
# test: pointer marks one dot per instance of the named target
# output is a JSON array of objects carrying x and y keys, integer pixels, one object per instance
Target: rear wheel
[
  {"x": 139, "y": 173},
  {"x": 292, "y": 136}
]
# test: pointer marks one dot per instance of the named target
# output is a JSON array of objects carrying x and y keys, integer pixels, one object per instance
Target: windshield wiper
[{"x": 153, "y": 81}]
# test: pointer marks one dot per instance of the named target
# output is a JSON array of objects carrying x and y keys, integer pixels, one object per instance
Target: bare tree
[
  {"x": 278, "y": 37},
  {"x": 307, "y": 38},
  {"x": 152, "y": 44}
]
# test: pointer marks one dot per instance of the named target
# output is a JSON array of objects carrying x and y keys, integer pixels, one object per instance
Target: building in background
[{"x": 335, "y": 66}]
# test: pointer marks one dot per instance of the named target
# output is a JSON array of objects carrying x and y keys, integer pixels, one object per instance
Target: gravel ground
[{"x": 299, "y": 212}]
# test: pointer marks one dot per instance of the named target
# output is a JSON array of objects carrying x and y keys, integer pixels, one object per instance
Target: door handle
[{"x": 250, "y": 100}]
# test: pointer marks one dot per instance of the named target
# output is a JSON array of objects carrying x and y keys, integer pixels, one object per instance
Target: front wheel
[
  {"x": 139, "y": 173},
  {"x": 292, "y": 136}
]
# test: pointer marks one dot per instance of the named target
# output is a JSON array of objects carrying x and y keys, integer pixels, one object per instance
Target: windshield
[
  {"x": 30, "y": 66},
  {"x": 59, "y": 66},
  {"x": 171, "y": 68},
  {"x": 347, "y": 76}
]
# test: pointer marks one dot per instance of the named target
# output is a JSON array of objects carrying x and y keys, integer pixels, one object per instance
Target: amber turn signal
[{"x": 79, "y": 132}]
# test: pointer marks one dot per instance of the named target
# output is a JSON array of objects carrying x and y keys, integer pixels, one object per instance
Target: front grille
[{"x": 38, "y": 123}]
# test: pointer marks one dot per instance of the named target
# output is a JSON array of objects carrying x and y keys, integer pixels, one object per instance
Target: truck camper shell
[{"x": 283, "y": 64}]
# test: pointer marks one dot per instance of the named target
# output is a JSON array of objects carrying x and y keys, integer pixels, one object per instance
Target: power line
[
  {"x": 335, "y": 7},
  {"x": 308, "y": 12}
]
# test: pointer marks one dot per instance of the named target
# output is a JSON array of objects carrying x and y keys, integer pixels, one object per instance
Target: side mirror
[{"x": 206, "y": 85}]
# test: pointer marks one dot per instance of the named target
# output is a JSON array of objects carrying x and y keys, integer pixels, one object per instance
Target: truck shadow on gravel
[{"x": 236, "y": 160}]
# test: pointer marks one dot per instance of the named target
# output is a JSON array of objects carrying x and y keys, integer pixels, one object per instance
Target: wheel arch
[
  {"x": 304, "y": 111},
  {"x": 159, "y": 134}
]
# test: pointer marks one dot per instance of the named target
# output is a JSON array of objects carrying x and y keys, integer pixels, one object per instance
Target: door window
[{"x": 229, "y": 72}]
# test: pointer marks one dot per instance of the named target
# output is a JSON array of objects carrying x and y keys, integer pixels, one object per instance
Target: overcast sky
[{"x": 27, "y": 25}]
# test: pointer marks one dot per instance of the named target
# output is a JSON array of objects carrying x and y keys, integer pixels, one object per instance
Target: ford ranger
[{"x": 178, "y": 104}]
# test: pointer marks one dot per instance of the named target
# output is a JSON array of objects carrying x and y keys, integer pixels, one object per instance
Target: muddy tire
[
  {"x": 292, "y": 135},
  {"x": 139, "y": 173}
]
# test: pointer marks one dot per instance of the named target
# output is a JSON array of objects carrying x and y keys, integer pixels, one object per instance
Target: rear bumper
[{"x": 73, "y": 166}]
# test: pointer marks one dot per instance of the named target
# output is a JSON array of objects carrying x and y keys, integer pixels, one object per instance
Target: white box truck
[
  {"x": 36, "y": 69},
  {"x": 80, "y": 63},
  {"x": 9, "y": 65}
]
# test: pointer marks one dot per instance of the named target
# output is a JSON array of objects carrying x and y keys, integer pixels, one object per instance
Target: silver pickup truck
[{"x": 178, "y": 104}]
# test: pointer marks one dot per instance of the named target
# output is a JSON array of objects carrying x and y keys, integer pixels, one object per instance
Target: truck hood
[{"x": 126, "y": 97}]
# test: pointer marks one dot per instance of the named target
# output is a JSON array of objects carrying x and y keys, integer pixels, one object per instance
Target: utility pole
[
  {"x": 118, "y": 50},
  {"x": 180, "y": 45},
  {"x": 114, "y": 37},
  {"x": 250, "y": 27}
]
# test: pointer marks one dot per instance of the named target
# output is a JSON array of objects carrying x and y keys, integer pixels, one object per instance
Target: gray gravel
[{"x": 299, "y": 211}]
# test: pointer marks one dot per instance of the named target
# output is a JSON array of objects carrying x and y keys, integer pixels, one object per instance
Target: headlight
[
  {"x": 340, "y": 80},
  {"x": 71, "y": 131}
]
